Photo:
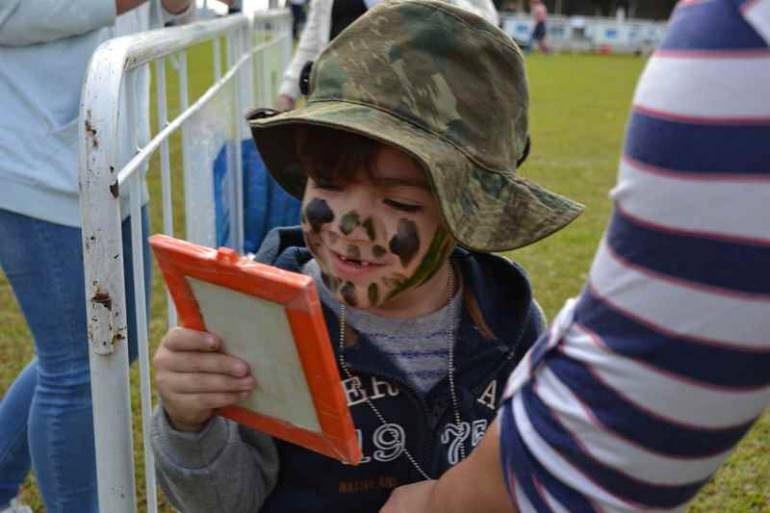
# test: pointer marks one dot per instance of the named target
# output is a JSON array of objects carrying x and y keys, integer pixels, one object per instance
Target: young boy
[{"x": 405, "y": 157}]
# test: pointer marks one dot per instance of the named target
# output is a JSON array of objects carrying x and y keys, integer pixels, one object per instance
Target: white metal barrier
[
  {"x": 584, "y": 33},
  {"x": 257, "y": 50}
]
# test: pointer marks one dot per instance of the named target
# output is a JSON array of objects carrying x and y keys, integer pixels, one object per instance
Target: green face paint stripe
[
  {"x": 349, "y": 222},
  {"x": 439, "y": 248},
  {"x": 378, "y": 251},
  {"x": 368, "y": 225}
]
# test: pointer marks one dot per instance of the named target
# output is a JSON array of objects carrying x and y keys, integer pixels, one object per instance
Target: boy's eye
[{"x": 405, "y": 207}]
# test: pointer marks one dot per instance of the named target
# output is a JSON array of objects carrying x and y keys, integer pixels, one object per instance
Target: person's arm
[
  {"x": 225, "y": 468},
  {"x": 476, "y": 484},
  {"x": 310, "y": 46},
  {"x": 25, "y": 22}
]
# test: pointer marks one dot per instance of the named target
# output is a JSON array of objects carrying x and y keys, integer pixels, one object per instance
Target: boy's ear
[{"x": 525, "y": 154}]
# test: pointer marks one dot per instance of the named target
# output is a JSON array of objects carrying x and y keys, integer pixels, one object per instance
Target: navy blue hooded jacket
[{"x": 309, "y": 482}]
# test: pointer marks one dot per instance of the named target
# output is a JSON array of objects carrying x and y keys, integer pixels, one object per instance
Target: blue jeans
[{"x": 46, "y": 417}]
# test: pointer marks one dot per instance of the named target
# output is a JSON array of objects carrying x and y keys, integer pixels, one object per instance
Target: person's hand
[
  {"x": 194, "y": 378},
  {"x": 413, "y": 498},
  {"x": 284, "y": 102}
]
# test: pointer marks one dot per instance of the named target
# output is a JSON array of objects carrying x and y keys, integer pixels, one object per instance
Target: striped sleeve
[{"x": 645, "y": 383}]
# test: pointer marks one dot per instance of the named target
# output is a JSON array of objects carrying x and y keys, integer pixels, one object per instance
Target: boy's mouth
[
  {"x": 352, "y": 266},
  {"x": 353, "y": 261}
]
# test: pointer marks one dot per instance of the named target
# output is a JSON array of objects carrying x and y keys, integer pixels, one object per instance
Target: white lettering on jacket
[
  {"x": 357, "y": 391},
  {"x": 489, "y": 397},
  {"x": 455, "y": 436},
  {"x": 389, "y": 442}
]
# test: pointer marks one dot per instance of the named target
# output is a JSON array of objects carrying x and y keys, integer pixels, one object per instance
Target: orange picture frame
[{"x": 184, "y": 264}]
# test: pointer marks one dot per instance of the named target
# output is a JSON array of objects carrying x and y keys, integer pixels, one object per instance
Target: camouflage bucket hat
[{"x": 447, "y": 88}]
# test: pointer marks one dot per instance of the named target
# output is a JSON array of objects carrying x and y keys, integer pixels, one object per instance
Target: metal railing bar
[
  {"x": 142, "y": 336},
  {"x": 187, "y": 111},
  {"x": 140, "y": 312},
  {"x": 217, "y": 44},
  {"x": 165, "y": 169}
]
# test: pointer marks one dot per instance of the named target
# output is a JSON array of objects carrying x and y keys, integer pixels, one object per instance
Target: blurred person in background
[
  {"x": 539, "y": 16},
  {"x": 645, "y": 384},
  {"x": 45, "y": 415},
  {"x": 297, "y": 16},
  {"x": 325, "y": 20}
]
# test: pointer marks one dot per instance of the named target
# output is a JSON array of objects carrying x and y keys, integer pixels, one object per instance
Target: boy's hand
[{"x": 193, "y": 377}]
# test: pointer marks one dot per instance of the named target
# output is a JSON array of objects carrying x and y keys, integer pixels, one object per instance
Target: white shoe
[{"x": 16, "y": 507}]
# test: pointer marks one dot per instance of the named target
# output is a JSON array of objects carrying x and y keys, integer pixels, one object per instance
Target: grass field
[{"x": 578, "y": 112}]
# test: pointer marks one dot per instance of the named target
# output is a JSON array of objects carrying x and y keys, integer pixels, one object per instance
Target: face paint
[
  {"x": 354, "y": 253},
  {"x": 368, "y": 225},
  {"x": 318, "y": 213},
  {"x": 331, "y": 282},
  {"x": 313, "y": 240},
  {"x": 440, "y": 248},
  {"x": 406, "y": 242},
  {"x": 348, "y": 292},
  {"x": 394, "y": 281},
  {"x": 378, "y": 251},
  {"x": 374, "y": 294},
  {"x": 349, "y": 222},
  {"x": 394, "y": 252}
]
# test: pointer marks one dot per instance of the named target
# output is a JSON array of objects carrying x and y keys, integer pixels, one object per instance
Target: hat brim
[{"x": 485, "y": 210}]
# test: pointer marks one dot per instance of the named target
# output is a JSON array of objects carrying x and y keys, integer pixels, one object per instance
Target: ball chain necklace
[{"x": 451, "y": 372}]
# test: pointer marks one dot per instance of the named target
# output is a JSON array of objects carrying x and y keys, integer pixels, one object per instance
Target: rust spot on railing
[
  {"x": 91, "y": 131},
  {"x": 102, "y": 298}
]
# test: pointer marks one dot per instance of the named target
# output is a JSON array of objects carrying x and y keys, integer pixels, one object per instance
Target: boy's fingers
[
  {"x": 201, "y": 362},
  {"x": 193, "y": 384},
  {"x": 208, "y": 401},
  {"x": 183, "y": 339}
]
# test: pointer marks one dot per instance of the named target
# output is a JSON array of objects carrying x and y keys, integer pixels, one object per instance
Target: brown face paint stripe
[
  {"x": 354, "y": 253},
  {"x": 331, "y": 282},
  {"x": 374, "y": 294},
  {"x": 313, "y": 240},
  {"x": 318, "y": 213},
  {"x": 405, "y": 243},
  {"x": 378, "y": 251},
  {"x": 393, "y": 281},
  {"x": 368, "y": 225},
  {"x": 348, "y": 293},
  {"x": 349, "y": 222},
  {"x": 440, "y": 248}
]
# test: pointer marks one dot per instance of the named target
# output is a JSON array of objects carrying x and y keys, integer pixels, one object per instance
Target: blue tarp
[{"x": 266, "y": 204}]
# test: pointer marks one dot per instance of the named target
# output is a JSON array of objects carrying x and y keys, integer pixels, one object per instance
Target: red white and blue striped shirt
[{"x": 646, "y": 382}]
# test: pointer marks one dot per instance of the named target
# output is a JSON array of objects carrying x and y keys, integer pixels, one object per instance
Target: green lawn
[{"x": 578, "y": 112}]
